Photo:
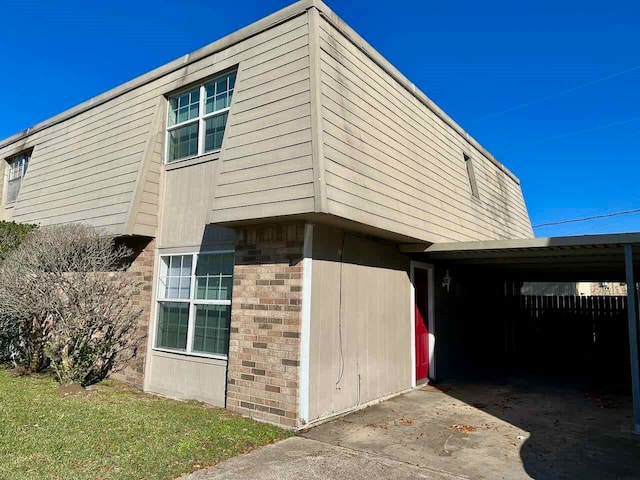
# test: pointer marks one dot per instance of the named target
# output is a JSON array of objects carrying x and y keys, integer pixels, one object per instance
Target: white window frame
[
  {"x": 201, "y": 119},
  {"x": 192, "y": 301},
  {"x": 22, "y": 159}
]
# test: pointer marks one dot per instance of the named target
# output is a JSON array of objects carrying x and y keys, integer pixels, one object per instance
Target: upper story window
[
  {"x": 198, "y": 117},
  {"x": 17, "y": 170},
  {"x": 472, "y": 176}
]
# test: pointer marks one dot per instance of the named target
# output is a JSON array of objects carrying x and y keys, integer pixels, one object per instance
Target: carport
[{"x": 471, "y": 277}]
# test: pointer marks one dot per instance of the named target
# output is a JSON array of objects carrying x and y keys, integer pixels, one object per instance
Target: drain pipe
[{"x": 632, "y": 313}]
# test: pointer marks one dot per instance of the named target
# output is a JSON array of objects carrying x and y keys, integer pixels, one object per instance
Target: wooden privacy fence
[{"x": 569, "y": 333}]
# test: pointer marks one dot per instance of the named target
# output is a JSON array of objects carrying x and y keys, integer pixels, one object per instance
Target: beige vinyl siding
[
  {"x": 266, "y": 166},
  {"x": 392, "y": 163},
  {"x": 360, "y": 339},
  {"x": 90, "y": 163},
  {"x": 144, "y": 212},
  {"x": 186, "y": 205}
]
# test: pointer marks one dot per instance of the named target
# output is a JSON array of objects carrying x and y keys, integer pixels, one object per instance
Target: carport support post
[{"x": 632, "y": 312}]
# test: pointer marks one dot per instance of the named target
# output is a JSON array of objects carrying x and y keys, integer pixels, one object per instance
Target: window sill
[
  {"x": 188, "y": 162},
  {"x": 192, "y": 354}
]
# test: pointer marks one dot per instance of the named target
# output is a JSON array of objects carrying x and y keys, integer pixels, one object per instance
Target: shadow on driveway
[{"x": 501, "y": 430}]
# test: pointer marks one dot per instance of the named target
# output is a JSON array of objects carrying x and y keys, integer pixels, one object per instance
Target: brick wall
[
  {"x": 142, "y": 268},
  {"x": 264, "y": 351}
]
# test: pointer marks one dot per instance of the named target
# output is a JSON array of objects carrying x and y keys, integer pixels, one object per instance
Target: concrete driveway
[{"x": 469, "y": 431}]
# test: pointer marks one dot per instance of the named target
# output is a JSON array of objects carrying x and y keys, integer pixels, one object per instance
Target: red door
[{"x": 421, "y": 284}]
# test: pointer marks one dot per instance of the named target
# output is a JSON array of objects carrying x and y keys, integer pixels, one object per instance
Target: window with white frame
[
  {"x": 194, "y": 303},
  {"x": 198, "y": 117},
  {"x": 17, "y": 170}
]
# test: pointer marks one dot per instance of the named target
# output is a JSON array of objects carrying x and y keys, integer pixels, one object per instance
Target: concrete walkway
[
  {"x": 300, "y": 458},
  {"x": 513, "y": 431}
]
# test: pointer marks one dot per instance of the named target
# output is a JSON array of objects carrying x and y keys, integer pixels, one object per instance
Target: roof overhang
[{"x": 585, "y": 257}]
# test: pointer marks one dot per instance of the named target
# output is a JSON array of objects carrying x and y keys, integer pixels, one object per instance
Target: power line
[
  {"x": 554, "y": 95},
  {"x": 577, "y": 132},
  {"x": 594, "y": 217}
]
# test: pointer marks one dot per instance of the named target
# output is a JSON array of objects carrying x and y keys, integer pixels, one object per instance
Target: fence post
[{"x": 632, "y": 314}]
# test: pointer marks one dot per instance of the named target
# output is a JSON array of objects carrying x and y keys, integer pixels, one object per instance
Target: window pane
[
  {"x": 219, "y": 93},
  {"x": 13, "y": 188},
  {"x": 176, "y": 281},
  {"x": 227, "y": 263},
  {"x": 214, "y": 276},
  {"x": 211, "y": 334},
  {"x": 173, "y": 323},
  {"x": 184, "y": 107},
  {"x": 214, "y": 132},
  {"x": 183, "y": 142},
  {"x": 226, "y": 288}
]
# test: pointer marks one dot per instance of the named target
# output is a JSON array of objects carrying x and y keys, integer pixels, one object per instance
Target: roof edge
[
  {"x": 253, "y": 29},
  {"x": 383, "y": 63},
  {"x": 526, "y": 243}
]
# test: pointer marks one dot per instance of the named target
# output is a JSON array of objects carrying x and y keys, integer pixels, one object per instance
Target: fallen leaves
[{"x": 460, "y": 427}]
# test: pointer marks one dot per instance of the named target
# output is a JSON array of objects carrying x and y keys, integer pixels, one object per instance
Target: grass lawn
[{"x": 114, "y": 433}]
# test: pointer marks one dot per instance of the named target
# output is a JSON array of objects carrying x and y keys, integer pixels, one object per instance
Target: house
[{"x": 305, "y": 218}]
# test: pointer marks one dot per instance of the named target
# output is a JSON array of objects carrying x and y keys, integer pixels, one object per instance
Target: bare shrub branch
[{"x": 68, "y": 301}]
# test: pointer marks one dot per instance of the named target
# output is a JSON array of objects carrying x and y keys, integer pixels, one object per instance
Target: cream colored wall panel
[
  {"x": 261, "y": 124},
  {"x": 118, "y": 190},
  {"x": 405, "y": 192},
  {"x": 360, "y": 322},
  {"x": 264, "y": 183},
  {"x": 91, "y": 214},
  {"x": 284, "y": 104},
  {"x": 277, "y": 132},
  {"x": 270, "y": 196},
  {"x": 385, "y": 217},
  {"x": 77, "y": 167},
  {"x": 93, "y": 131},
  {"x": 256, "y": 172},
  {"x": 290, "y": 68},
  {"x": 265, "y": 210},
  {"x": 385, "y": 131},
  {"x": 299, "y": 146},
  {"x": 263, "y": 151},
  {"x": 277, "y": 58},
  {"x": 186, "y": 204},
  {"x": 272, "y": 96},
  {"x": 188, "y": 378}
]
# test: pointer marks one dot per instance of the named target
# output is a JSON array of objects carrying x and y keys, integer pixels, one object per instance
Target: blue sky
[{"x": 474, "y": 59}]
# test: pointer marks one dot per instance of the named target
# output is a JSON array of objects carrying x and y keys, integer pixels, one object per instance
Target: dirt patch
[
  {"x": 73, "y": 390},
  {"x": 19, "y": 372}
]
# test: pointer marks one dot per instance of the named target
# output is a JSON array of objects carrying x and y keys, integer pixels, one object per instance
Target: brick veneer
[
  {"x": 142, "y": 268},
  {"x": 264, "y": 350}
]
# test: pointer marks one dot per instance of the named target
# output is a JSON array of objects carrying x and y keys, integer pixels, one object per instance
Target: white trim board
[{"x": 305, "y": 334}]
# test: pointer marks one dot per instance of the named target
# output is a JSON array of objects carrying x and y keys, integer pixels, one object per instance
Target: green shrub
[{"x": 12, "y": 235}]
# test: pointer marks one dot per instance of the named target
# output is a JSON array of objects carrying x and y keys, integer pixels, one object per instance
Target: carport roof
[{"x": 584, "y": 257}]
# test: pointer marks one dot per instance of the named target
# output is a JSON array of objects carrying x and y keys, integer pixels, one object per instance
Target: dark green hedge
[{"x": 11, "y": 235}]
